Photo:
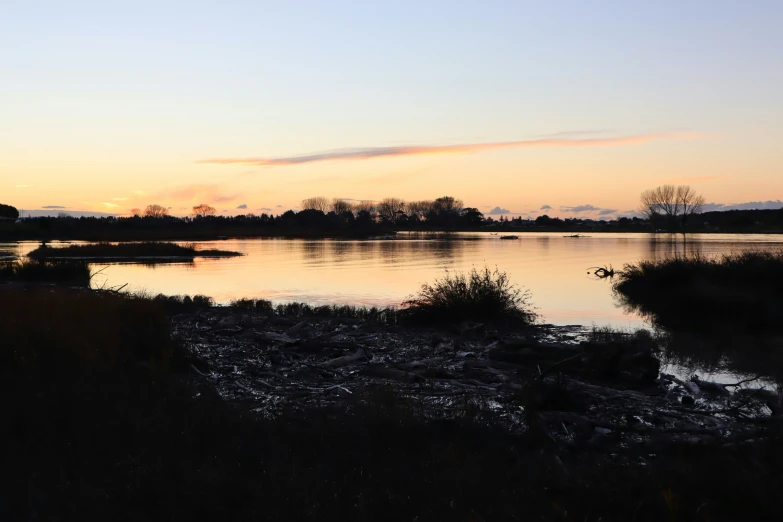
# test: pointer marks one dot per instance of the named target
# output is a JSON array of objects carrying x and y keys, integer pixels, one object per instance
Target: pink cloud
[{"x": 379, "y": 152}]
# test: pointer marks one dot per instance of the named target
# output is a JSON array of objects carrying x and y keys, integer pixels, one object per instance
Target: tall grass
[
  {"x": 61, "y": 330},
  {"x": 74, "y": 273},
  {"x": 484, "y": 295},
  {"x": 738, "y": 291}
]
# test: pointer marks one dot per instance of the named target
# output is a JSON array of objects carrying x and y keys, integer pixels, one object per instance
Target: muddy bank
[{"x": 555, "y": 380}]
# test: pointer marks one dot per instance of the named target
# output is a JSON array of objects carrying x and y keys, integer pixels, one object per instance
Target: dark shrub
[
  {"x": 741, "y": 291},
  {"x": 483, "y": 295},
  {"x": 73, "y": 273}
]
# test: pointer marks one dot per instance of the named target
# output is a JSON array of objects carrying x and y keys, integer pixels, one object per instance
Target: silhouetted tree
[
  {"x": 156, "y": 211},
  {"x": 203, "y": 210},
  {"x": 366, "y": 206},
  {"x": 340, "y": 206},
  {"x": 317, "y": 203},
  {"x": 389, "y": 210},
  {"x": 672, "y": 204},
  {"x": 472, "y": 217},
  {"x": 418, "y": 210},
  {"x": 7, "y": 211}
]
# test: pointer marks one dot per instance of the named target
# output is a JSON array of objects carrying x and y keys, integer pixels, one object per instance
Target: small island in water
[{"x": 126, "y": 251}]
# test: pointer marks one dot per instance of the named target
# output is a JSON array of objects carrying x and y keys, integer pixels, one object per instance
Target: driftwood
[
  {"x": 392, "y": 374},
  {"x": 345, "y": 360}
]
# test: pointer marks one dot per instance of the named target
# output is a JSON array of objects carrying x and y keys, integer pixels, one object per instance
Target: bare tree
[
  {"x": 418, "y": 209},
  {"x": 389, "y": 209},
  {"x": 672, "y": 203},
  {"x": 156, "y": 211},
  {"x": 134, "y": 212},
  {"x": 203, "y": 210},
  {"x": 340, "y": 206},
  {"x": 317, "y": 203},
  {"x": 447, "y": 205},
  {"x": 368, "y": 206}
]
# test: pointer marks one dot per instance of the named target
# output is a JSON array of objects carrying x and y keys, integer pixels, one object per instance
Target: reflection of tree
[
  {"x": 668, "y": 246},
  {"x": 384, "y": 251}
]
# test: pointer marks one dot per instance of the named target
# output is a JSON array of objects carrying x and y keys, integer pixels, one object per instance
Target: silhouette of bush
[
  {"x": 35, "y": 271},
  {"x": 740, "y": 291},
  {"x": 483, "y": 295}
]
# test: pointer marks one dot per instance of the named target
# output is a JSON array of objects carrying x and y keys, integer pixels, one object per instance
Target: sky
[{"x": 569, "y": 108}]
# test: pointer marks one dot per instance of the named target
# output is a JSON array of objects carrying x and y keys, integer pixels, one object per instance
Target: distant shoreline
[{"x": 163, "y": 235}]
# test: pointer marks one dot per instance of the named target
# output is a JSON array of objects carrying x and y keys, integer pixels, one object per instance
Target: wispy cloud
[
  {"x": 750, "y": 205},
  {"x": 242, "y": 206},
  {"x": 53, "y": 206},
  {"x": 546, "y": 207},
  {"x": 580, "y": 209},
  {"x": 112, "y": 205},
  {"x": 379, "y": 152},
  {"x": 22, "y": 186},
  {"x": 120, "y": 199},
  {"x": 607, "y": 211}
]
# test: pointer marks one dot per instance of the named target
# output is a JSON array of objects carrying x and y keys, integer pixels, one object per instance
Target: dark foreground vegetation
[
  {"x": 107, "y": 417},
  {"x": 148, "y": 249},
  {"x": 741, "y": 291},
  {"x": 72, "y": 273}
]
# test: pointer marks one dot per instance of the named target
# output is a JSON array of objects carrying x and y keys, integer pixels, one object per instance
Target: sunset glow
[{"x": 251, "y": 109}]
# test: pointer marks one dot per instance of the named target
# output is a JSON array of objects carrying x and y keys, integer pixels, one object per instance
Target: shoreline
[{"x": 374, "y": 235}]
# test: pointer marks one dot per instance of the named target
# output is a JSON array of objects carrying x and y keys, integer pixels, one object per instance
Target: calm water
[{"x": 385, "y": 272}]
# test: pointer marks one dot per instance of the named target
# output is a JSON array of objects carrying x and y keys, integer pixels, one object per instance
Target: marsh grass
[
  {"x": 74, "y": 273},
  {"x": 52, "y": 328},
  {"x": 149, "y": 249},
  {"x": 734, "y": 292},
  {"x": 371, "y": 314},
  {"x": 480, "y": 295}
]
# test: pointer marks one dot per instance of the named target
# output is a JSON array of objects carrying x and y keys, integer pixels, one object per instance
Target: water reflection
[
  {"x": 667, "y": 246},
  {"x": 385, "y": 272}
]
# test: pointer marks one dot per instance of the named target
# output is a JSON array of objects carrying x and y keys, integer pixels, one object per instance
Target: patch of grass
[
  {"x": 481, "y": 295},
  {"x": 146, "y": 249},
  {"x": 740, "y": 292},
  {"x": 373, "y": 314},
  {"x": 609, "y": 334},
  {"x": 72, "y": 273},
  {"x": 63, "y": 330}
]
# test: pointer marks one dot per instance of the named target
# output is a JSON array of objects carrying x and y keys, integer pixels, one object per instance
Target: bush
[
  {"x": 34, "y": 271},
  {"x": 479, "y": 295},
  {"x": 740, "y": 291}
]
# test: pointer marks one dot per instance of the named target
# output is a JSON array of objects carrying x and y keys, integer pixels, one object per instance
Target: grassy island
[{"x": 123, "y": 251}]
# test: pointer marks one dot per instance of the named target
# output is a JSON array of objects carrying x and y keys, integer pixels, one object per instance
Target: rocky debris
[{"x": 572, "y": 389}]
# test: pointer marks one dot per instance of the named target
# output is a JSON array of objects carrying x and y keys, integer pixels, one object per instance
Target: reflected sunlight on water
[{"x": 385, "y": 272}]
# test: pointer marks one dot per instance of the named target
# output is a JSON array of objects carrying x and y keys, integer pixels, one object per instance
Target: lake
[{"x": 384, "y": 272}]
